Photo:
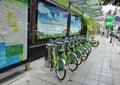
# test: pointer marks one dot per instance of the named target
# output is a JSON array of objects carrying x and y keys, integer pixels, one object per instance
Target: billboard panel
[
  {"x": 13, "y": 32},
  {"x": 75, "y": 25},
  {"x": 51, "y": 21}
]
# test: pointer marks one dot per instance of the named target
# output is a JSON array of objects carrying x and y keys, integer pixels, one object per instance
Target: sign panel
[
  {"x": 51, "y": 21},
  {"x": 109, "y": 20},
  {"x": 117, "y": 18},
  {"x": 13, "y": 32},
  {"x": 75, "y": 25}
]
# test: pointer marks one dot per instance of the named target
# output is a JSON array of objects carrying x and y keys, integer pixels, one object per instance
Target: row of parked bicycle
[{"x": 67, "y": 52}]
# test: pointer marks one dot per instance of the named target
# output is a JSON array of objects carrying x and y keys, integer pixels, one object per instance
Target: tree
[{"x": 113, "y": 2}]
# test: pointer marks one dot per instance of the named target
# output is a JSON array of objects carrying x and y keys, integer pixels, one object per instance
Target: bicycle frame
[{"x": 55, "y": 57}]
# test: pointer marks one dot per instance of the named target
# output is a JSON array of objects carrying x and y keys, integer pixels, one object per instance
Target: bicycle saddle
[
  {"x": 60, "y": 51},
  {"x": 71, "y": 47}
]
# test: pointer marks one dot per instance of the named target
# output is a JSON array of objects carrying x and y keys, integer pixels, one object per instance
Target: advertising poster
[
  {"x": 51, "y": 22},
  {"x": 75, "y": 25},
  {"x": 13, "y": 31}
]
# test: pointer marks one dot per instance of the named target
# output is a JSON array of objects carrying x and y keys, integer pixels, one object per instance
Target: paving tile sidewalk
[{"x": 101, "y": 68}]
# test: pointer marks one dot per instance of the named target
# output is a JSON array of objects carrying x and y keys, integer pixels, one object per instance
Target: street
[{"x": 101, "y": 68}]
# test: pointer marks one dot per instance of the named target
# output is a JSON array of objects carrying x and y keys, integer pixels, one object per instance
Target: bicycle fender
[{"x": 62, "y": 63}]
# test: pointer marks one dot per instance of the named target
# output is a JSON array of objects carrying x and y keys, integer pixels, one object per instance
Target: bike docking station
[
  {"x": 65, "y": 48},
  {"x": 43, "y": 28},
  {"x": 47, "y": 58},
  {"x": 66, "y": 53}
]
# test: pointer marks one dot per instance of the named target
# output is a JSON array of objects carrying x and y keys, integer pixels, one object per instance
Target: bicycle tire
[
  {"x": 96, "y": 44},
  {"x": 85, "y": 55},
  {"x": 62, "y": 68},
  {"x": 79, "y": 56},
  {"x": 73, "y": 65},
  {"x": 87, "y": 50},
  {"x": 89, "y": 47}
]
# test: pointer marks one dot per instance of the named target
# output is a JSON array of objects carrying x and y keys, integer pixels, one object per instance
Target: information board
[
  {"x": 51, "y": 21},
  {"x": 75, "y": 25},
  {"x": 13, "y": 32}
]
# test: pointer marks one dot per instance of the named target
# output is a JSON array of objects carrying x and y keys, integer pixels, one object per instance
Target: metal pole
[
  {"x": 68, "y": 20},
  {"x": 113, "y": 40},
  {"x": 33, "y": 20},
  {"x": 108, "y": 28},
  {"x": 27, "y": 66}
]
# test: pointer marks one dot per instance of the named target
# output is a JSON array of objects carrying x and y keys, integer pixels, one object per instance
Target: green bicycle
[
  {"x": 84, "y": 50},
  {"x": 68, "y": 55},
  {"x": 56, "y": 61}
]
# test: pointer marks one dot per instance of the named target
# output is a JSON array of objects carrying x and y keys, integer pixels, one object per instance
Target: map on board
[{"x": 13, "y": 31}]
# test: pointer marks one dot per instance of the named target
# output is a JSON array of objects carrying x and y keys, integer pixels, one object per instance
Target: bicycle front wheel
[
  {"x": 79, "y": 56},
  {"x": 84, "y": 54},
  {"x": 73, "y": 65},
  {"x": 61, "y": 71}
]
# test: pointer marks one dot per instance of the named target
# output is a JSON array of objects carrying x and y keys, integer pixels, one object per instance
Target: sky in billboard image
[
  {"x": 51, "y": 21},
  {"x": 75, "y": 25}
]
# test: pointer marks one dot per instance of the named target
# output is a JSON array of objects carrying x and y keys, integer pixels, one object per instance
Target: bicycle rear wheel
[
  {"x": 73, "y": 65},
  {"x": 96, "y": 44},
  {"x": 61, "y": 71}
]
